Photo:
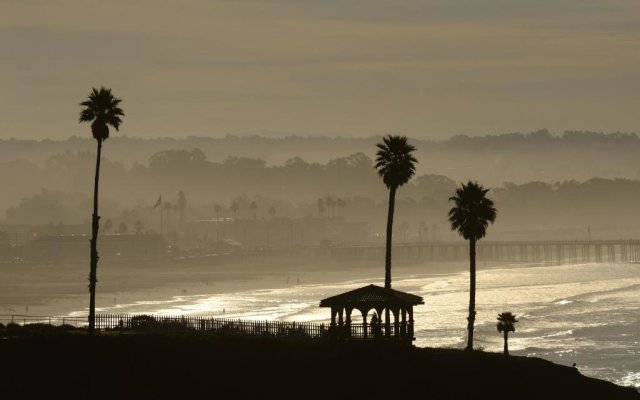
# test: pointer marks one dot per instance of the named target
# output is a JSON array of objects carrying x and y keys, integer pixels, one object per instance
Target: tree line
[
  {"x": 347, "y": 186},
  {"x": 493, "y": 159}
]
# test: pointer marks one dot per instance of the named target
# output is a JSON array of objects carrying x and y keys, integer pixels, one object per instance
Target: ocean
[{"x": 587, "y": 314}]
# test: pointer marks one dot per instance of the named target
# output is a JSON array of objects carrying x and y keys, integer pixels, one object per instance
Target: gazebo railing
[{"x": 369, "y": 332}]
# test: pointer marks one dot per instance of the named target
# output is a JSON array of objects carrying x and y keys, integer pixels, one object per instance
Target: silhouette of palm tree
[
  {"x": 506, "y": 324},
  {"x": 253, "y": 206},
  {"x": 423, "y": 231},
  {"x": 396, "y": 165},
  {"x": 234, "y": 208},
  {"x": 404, "y": 228},
  {"x": 101, "y": 109},
  {"x": 182, "y": 204},
  {"x": 341, "y": 203},
  {"x": 321, "y": 207},
  {"x": 123, "y": 228},
  {"x": 471, "y": 216},
  {"x": 138, "y": 227}
]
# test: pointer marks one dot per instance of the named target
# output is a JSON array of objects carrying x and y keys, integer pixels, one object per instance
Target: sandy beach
[{"x": 58, "y": 290}]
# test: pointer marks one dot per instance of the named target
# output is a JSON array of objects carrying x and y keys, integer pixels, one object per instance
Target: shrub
[{"x": 142, "y": 323}]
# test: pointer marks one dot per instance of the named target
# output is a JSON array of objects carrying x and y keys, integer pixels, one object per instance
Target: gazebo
[{"x": 381, "y": 300}]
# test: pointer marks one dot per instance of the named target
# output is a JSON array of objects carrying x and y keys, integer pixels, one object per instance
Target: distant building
[
  {"x": 5, "y": 246},
  {"x": 277, "y": 232}
]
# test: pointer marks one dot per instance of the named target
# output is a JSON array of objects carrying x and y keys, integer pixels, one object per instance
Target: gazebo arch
[{"x": 372, "y": 297}]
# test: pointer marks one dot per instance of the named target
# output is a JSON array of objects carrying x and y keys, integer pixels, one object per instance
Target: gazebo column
[
  {"x": 387, "y": 322},
  {"x": 364, "y": 323},
  {"x": 348, "y": 321},
  {"x": 396, "y": 323},
  {"x": 403, "y": 325},
  {"x": 381, "y": 328},
  {"x": 375, "y": 304},
  {"x": 411, "y": 323}
]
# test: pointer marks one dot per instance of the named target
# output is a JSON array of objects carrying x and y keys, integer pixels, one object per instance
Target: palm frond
[
  {"x": 101, "y": 109},
  {"x": 472, "y": 212},
  {"x": 506, "y": 322},
  {"x": 394, "y": 161}
]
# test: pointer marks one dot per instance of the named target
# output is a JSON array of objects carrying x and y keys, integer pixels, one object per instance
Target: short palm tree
[
  {"x": 506, "y": 324},
  {"x": 471, "y": 216},
  {"x": 101, "y": 109},
  {"x": 396, "y": 165}
]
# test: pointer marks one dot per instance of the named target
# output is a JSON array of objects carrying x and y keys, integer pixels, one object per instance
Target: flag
[{"x": 159, "y": 202}]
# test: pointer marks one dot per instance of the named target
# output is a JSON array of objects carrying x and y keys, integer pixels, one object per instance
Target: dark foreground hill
[{"x": 156, "y": 367}]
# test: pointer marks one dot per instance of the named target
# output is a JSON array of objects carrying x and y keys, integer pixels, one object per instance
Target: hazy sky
[{"x": 423, "y": 68}]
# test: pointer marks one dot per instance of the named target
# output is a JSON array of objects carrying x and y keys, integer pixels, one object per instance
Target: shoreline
[
  {"x": 260, "y": 285},
  {"x": 61, "y": 290},
  {"x": 48, "y": 290}
]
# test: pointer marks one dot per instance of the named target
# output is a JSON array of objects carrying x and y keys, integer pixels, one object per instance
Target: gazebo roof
[{"x": 371, "y": 294}]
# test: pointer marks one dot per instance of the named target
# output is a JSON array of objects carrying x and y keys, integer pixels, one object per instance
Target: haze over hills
[
  {"x": 541, "y": 182},
  {"x": 492, "y": 159}
]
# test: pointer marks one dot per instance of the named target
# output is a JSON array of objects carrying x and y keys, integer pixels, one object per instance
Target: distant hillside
[
  {"x": 493, "y": 159},
  {"x": 60, "y": 193}
]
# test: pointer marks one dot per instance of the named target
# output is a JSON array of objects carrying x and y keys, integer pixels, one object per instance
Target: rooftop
[{"x": 372, "y": 294}]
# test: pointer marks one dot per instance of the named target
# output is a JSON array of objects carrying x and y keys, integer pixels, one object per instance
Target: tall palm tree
[
  {"x": 506, "y": 324},
  {"x": 396, "y": 165},
  {"x": 101, "y": 109},
  {"x": 471, "y": 216}
]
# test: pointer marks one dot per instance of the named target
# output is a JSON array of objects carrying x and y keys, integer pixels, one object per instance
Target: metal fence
[
  {"x": 194, "y": 324},
  {"x": 25, "y": 319},
  {"x": 162, "y": 324}
]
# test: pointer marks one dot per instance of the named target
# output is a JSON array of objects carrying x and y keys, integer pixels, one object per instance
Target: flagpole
[{"x": 159, "y": 203}]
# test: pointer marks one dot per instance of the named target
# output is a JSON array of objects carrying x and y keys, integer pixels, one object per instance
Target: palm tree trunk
[
  {"x": 387, "y": 259},
  {"x": 472, "y": 293},
  {"x": 506, "y": 343},
  {"x": 94, "y": 245}
]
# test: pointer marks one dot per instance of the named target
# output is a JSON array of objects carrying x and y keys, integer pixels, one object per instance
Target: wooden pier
[{"x": 531, "y": 252}]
